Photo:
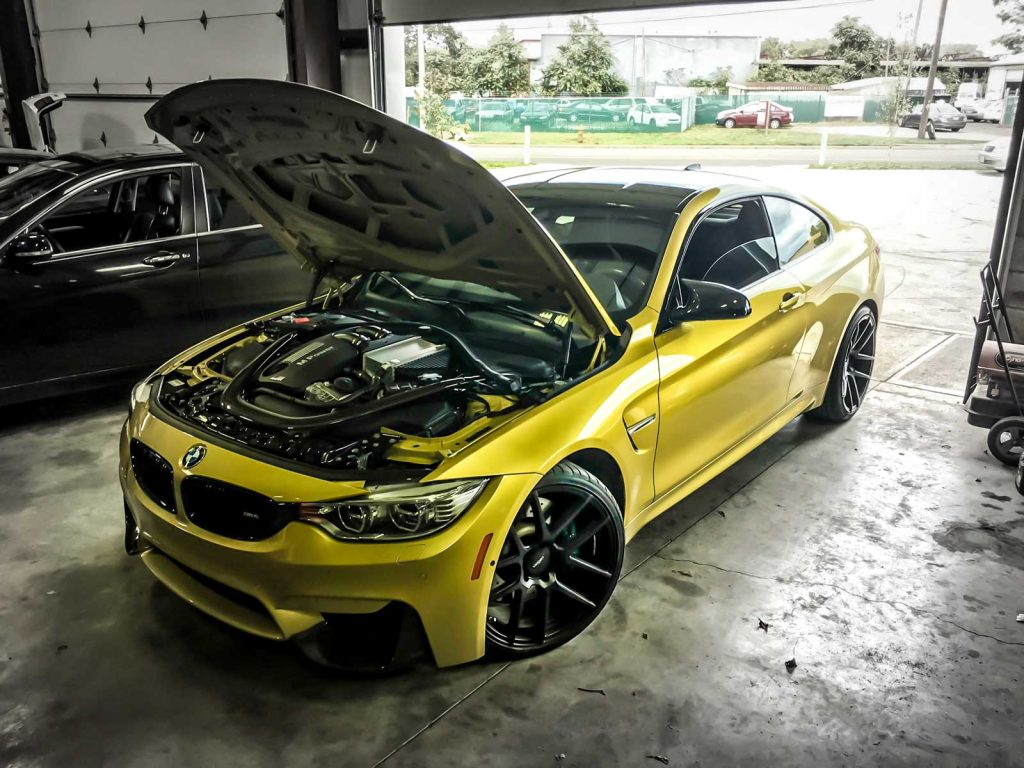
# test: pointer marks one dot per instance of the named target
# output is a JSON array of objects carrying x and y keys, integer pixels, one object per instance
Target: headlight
[
  {"x": 722, "y": 114},
  {"x": 394, "y": 512},
  {"x": 140, "y": 394}
]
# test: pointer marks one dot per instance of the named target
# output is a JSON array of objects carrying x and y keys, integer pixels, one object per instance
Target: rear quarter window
[{"x": 798, "y": 230}]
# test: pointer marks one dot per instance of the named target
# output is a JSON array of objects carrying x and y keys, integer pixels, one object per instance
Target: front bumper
[{"x": 301, "y": 581}]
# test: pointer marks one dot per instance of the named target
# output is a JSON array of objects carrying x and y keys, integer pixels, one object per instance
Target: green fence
[{"x": 595, "y": 113}]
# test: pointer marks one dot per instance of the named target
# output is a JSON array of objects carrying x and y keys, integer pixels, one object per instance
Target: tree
[
  {"x": 1011, "y": 13},
  {"x": 858, "y": 46},
  {"x": 584, "y": 64},
  {"x": 445, "y": 58},
  {"x": 773, "y": 49},
  {"x": 774, "y": 72},
  {"x": 501, "y": 67},
  {"x": 813, "y": 47}
]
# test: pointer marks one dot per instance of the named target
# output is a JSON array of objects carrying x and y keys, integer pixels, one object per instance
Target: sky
[{"x": 967, "y": 21}]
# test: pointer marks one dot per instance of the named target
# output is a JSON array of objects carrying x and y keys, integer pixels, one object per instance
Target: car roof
[
  {"x": 141, "y": 154},
  {"x": 673, "y": 186}
]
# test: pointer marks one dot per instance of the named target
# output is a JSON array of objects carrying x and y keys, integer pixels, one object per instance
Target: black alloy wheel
[
  {"x": 851, "y": 372},
  {"x": 558, "y": 565},
  {"x": 1006, "y": 440}
]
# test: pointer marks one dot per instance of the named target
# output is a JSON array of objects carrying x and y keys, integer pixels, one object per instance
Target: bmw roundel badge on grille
[{"x": 193, "y": 456}]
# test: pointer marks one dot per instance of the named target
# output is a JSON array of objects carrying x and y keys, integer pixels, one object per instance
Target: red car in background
[{"x": 753, "y": 114}]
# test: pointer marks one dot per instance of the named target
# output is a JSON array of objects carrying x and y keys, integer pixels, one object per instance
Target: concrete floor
[{"x": 886, "y": 555}]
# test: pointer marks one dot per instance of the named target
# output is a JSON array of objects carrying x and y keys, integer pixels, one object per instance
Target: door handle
[
  {"x": 164, "y": 258},
  {"x": 791, "y": 300}
]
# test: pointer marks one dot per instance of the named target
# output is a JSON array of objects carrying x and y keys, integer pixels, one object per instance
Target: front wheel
[
  {"x": 558, "y": 565},
  {"x": 632, "y": 122},
  {"x": 652, "y": 125},
  {"x": 729, "y": 123},
  {"x": 851, "y": 372}
]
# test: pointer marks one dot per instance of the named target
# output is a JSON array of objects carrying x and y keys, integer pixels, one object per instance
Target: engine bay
[{"x": 346, "y": 392}]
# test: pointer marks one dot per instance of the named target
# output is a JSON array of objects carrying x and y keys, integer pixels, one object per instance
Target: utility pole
[
  {"x": 930, "y": 88},
  {"x": 421, "y": 60}
]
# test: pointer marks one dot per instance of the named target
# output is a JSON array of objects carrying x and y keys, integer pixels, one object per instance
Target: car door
[
  {"x": 807, "y": 251},
  {"x": 120, "y": 289},
  {"x": 243, "y": 272},
  {"x": 748, "y": 115},
  {"x": 722, "y": 380}
]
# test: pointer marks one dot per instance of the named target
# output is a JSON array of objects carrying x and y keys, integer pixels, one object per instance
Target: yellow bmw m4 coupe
[{"x": 489, "y": 389}]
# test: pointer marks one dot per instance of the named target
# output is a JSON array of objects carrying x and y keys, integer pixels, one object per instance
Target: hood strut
[{"x": 318, "y": 277}]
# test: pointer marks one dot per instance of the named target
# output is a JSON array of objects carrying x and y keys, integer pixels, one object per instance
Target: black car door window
[
  {"x": 128, "y": 209},
  {"x": 223, "y": 211},
  {"x": 798, "y": 230},
  {"x": 732, "y": 246}
]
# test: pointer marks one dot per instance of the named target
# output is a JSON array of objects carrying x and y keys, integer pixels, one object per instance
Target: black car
[
  {"x": 13, "y": 160},
  {"x": 112, "y": 260},
  {"x": 941, "y": 116},
  {"x": 589, "y": 111}
]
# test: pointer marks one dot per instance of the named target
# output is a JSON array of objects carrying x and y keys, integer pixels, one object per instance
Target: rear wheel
[
  {"x": 775, "y": 123},
  {"x": 558, "y": 566},
  {"x": 851, "y": 372}
]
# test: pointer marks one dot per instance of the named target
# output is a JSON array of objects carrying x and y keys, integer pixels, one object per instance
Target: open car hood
[{"x": 347, "y": 189}]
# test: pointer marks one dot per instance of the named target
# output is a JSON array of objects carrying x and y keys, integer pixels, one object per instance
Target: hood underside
[{"x": 347, "y": 189}]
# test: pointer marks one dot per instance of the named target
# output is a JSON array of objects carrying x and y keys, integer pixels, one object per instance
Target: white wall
[{"x": 243, "y": 38}]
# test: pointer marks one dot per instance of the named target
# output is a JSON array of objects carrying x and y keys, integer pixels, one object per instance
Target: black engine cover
[{"x": 320, "y": 359}]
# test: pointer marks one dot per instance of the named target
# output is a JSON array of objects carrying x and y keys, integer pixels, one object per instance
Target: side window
[
  {"x": 127, "y": 210},
  {"x": 224, "y": 211},
  {"x": 732, "y": 245},
  {"x": 797, "y": 229}
]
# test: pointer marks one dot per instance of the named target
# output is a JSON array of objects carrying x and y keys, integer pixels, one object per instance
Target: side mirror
[
  {"x": 709, "y": 301},
  {"x": 28, "y": 247}
]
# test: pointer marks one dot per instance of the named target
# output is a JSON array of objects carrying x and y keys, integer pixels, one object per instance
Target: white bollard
[
  {"x": 526, "y": 145},
  {"x": 823, "y": 148}
]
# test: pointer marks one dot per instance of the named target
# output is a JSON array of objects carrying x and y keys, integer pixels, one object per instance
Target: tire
[
  {"x": 631, "y": 122},
  {"x": 956, "y": 130},
  {"x": 848, "y": 385},
  {"x": 573, "y": 118},
  {"x": 774, "y": 123},
  {"x": 653, "y": 125},
  {"x": 729, "y": 123},
  {"x": 1006, "y": 440},
  {"x": 558, "y": 565}
]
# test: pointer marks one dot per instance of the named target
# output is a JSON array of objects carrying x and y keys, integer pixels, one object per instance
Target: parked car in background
[
  {"x": 590, "y": 111},
  {"x": 13, "y": 160},
  {"x": 496, "y": 110},
  {"x": 653, "y": 116},
  {"x": 753, "y": 114},
  {"x": 993, "y": 155},
  {"x": 941, "y": 116},
  {"x": 129, "y": 254},
  {"x": 972, "y": 109},
  {"x": 993, "y": 111},
  {"x": 538, "y": 113},
  {"x": 621, "y": 105}
]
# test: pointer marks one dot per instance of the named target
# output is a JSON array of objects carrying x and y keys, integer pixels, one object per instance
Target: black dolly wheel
[
  {"x": 558, "y": 566},
  {"x": 851, "y": 372},
  {"x": 1006, "y": 440}
]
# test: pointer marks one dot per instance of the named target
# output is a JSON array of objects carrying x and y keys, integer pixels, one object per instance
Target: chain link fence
[{"x": 566, "y": 114}]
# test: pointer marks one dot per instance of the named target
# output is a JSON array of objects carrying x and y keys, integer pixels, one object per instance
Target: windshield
[
  {"x": 661, "y": 108},
  {"x": 19, "y": 189},
  {"x": 616, "y": 246}
]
